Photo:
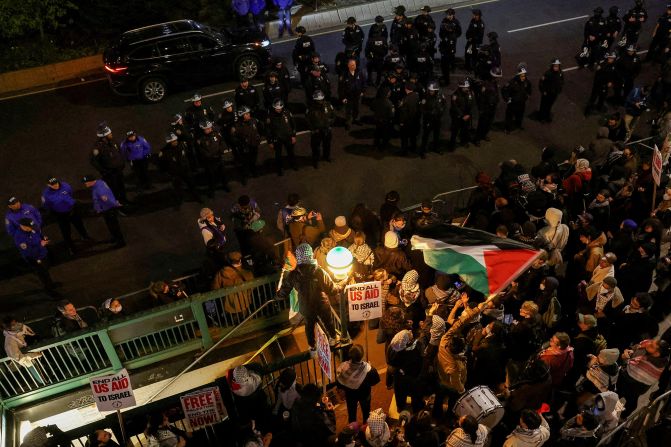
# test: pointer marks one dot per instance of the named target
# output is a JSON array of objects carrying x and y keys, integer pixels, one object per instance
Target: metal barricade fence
[{"x": 448, "y": 205}]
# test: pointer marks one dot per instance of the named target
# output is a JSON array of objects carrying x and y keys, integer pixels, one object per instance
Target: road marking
[
  {"x": 547, "y": 24},
  {"x": 90, "y": 81}
]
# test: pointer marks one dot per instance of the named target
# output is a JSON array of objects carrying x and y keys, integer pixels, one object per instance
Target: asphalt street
[{"x": 51, "y": 134}]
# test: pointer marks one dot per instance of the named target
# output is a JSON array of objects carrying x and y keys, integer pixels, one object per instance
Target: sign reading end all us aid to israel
[
  {"x": 364, "y": 301},
  {"x": 113, "y": 392}
]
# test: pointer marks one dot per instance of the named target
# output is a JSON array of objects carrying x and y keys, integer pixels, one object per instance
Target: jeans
[{"x": 284, "y": 16}]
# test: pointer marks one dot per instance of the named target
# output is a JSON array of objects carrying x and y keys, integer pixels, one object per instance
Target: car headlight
[{"x": 265, "y": 43}]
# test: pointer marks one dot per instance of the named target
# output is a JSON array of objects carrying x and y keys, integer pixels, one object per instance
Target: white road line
[
  {"x": 90, "y": 81},
  {"x": 547, "y": 24}
]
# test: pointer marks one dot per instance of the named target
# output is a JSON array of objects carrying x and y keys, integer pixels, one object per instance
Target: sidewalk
[{"x": 89, "y": 69}]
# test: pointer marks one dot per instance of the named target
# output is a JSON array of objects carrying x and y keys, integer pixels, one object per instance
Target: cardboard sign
[
  {"x": 113, "y": 392},
  {"x": 323, "y": 351},
  {"x": 364, "y": 301},
  {"x": 657, "y": 166},
  {"x": 203, "y": 407}
]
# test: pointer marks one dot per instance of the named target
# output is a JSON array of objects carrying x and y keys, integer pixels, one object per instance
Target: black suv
[{"x": 148, "y": 61}]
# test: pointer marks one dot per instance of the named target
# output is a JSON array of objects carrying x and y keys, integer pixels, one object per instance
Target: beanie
[
  {"x": 390, "y": 239},
  {"x": 609, "y": 356},
  {"x": 610, "y": 281}
]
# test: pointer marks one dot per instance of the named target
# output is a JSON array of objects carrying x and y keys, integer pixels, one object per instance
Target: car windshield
[{"x": 216, "y": 34}]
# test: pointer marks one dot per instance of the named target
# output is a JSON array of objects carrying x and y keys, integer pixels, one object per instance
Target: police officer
[
  {"x": 395, "y": 86},
  {"x": 137, "y": 150},
  {"x": 210, "y": 151},
  {"x": 196, "y": 113},
  {"x": 633, "y": 22},
  {"x": 613, "y": 25},
  {"x": 57, "y": 199},
  {"x": 474, "y": 37},
  {"x": 352, "y": 38},
  {"x": 628, "y": 66},
  {"x": 383, "y": 113},
  {"x": 248, "y": 138},
  {"x": 351, "y": 86},
  {"x": 303, "y": 49},
  {"x": 461, "y": 114},
  {"x": 409, "y": 119},
  {"x": 226, "y": 121},
  {"x": 450, "y": 30},
  {"x": 428, "y": 40},
  {"x": 174, "y": 159},
  {"x": 17, "y": 210},
  {"x": 283, "y": 76},
  {"x": 32, "y": 246},
  {"x": 106, "y": 205},
  {"x": 392, "y": 59},
  {"x": 424, "y": 21},
  {"x": 661, "y": 34},
  {"x": 183, "y": 134},
  {"x": 320, "y": 116},
  {"x": 376, "y": 50},
  {"x": 409, "y": 43},
  {"x": 494, "y": 50},
  {"x": 247, "y": 96},
  {"x": 109, "y": 161},
  {"x": 318, "y": 79},
  {"x": 379, "y": 29},
  {"x": 433, "y": 107},
  {"x": 606, "y": 76},
  {"x": 516, "y": 93},
  {"x": 594, "y": 39},
  {"x": 281, "y": 130},
  {"x": 423, "y": 65},
  {"x": 550, "y": 86},
  {"x": 397, "y": 25},
  {"x": 272, "y": 90},
  {"x": 487, "y": 97}
]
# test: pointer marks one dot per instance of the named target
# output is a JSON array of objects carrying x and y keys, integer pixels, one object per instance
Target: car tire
[
  {"x": 247, "y": 67},
  {"x": 153, "y": 90}
]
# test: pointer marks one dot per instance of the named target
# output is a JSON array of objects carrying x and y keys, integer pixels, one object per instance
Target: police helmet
[
  {"x": 555, "y": 61},
  {"x": 205, "y": 124},
  {"x": 318, "y": 95},
  {"x": 103, "y": 130},
  {"x": 426, "y": 8},
  {"x": 379, "y": 19},
  {"x": 278, "y": 104},
  {"x": 598, "y": 10},
  {"x": 300, "y": 29},
  {"x": 196, "y": 97},
  {"x": 176, "y": 118},
  {"x": 496, "y": 72},
  {"x": 351, "y": 20},
  {"x": 449, "y": 12},
  {"x": 614, "y": 10},
  {"x": 169, "y": 138},
  {"x": 228, "y": 103},
  {"x": 242, "y": 110},
  {"x": 521, "y": 71},
  {"x": 465, "y": 83},
  {"x": 399, "y": 10},
  {"x": 476, "y": 12},
  {"x": 493, "y": 35},
  {"x": 433, "y": 86}
]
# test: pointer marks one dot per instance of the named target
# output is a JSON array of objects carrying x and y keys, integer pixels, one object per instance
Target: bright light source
[
  {"x": 265, "y": 43},
  {"x": 24, "y": 429},
  {"x": 339, "y": 260}
]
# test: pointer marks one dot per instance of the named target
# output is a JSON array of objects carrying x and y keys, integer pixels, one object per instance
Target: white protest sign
[
  {"x": 203, "y": 407},
  {"x": 323, "y": 351},
  {"x": 113, "y": 392},
  {"x": 657, "y": 166},
  {"x": 364, "y": 301}
]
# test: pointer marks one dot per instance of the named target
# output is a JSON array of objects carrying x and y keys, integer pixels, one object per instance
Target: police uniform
[
  {"x": 395, "y": 86},
  {"x": 433, "y": 107},
  {"x": 661, "y": 34},
  {"x": 271, "y": 92},
  {"x": 397, "y": 26},
  {"x": 613, "y": 25},
  {"x": 549, "y": 86},
  {"x": 409, "y": 118},
  {"x": 63, "y": 205},
  {"x": 210, "y": 151},
  {"x": 350, "y": 88},
  {"x": 183, "y": 134},
  {"x": 174, "y": 159},
  {"x": 461, "y": 115},
  {"x": 474, "y": 36},
  {"x": 378, "y": 29},
  {"x": 487, "y": 97},
  {"x": 318, "y": 79},
  {"x": 424, "y": 21},
  {"x": 226, "y": 121},
  {"x": 633, "y": 22},
  {"x": 195, "y": 114},
  {"x": 303, "y": 49},
  {"x": 392, "y": 59},
  {"x": 423, "y": 66},
  {"x": 450, "y": 30},
  {"x": 409, "y": 44},
  {"x": 106, "y": 205},
  {"x": 32, "y": 248},
  {"x": 516, "y": 93},
  {"x": 248, "y": 139},
  {"x": 109, "y": 161},
  {"x": 12, "y": 217},
  {"x": 606, "y": 76},
  {"x": 284, "y": 77},
  {"x": 247, "y": 97},
  {"x": 628, "y": 66},
  {"x": 352, "y": 38},
  {"x": 281, "y": 130},
  {"x": 383, "y": 113},
  {"x": 376, "y": 50},
  {"x": 320, "y": 116},
  {"x": 137, "y": 154}
]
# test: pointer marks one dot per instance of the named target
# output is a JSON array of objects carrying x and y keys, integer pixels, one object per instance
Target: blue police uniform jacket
[
  {"x": 135, "y": 150},
  {"x": 12, "y": 218},
  {"x": 58, "y": 200},
  {"x": 29, "y": 244},
  {"x": 103, "y": 197}
]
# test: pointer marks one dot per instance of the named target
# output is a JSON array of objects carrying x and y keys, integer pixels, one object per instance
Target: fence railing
[
  {"x": 147, "y": 337},
  {"x": 449, "y": 205}
]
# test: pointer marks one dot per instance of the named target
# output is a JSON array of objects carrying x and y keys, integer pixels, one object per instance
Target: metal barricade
[{"x": 449, "y": 205}]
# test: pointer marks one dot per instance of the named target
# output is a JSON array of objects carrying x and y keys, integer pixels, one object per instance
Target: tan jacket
[
  {"x": 592, "y": 254},
  {"x": 301, "y": 232},
  {"x": 228, "y": 277}
]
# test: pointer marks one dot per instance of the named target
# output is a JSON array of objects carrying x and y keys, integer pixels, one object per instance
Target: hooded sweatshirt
[
  {"x": 556, "y": 233},
  {"x": 523, "y": 437},
  {"x": 609, "y": 416}
]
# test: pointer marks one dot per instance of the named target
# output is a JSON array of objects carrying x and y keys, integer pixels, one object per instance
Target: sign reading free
[{"x": 364, "y": 301}]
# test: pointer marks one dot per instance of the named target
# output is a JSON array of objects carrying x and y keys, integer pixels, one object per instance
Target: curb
[{"x": 63, "y": 73}]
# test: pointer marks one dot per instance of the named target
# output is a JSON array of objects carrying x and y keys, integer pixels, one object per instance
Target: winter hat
[
  {"x": 609, "y": 356},
  {"x": 610, "y": 257},
  {"x": 240, "y": 374},
  {"x": 304, "y": 254},
  {"x": 581, "y": 165},
  {"x": 629, "y": 224},
  {"x": 409, "y": 283},
  {"x": 610, "y": 281},
  {"x": 529, "y": 229},
  {"x": 589, "y": 320},
  {"x": 341, "y": 225},
  {"x": 391, "y": 239},
  {"x": 551, "y": 283},
  {"x": 204, "y": 212}
]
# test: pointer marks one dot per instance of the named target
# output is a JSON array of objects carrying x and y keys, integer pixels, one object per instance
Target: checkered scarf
[{"x": 377, "y": 432}]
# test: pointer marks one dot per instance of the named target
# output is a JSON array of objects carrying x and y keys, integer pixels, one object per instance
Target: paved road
[{"x": 51, "y": 134}]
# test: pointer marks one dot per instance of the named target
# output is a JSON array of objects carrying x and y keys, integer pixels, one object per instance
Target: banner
[
  {"x": 364, "y": 300},
  {"x": 203, "y": 407},
  {"x": 657, "y": 166},
  {"x": 323, "y": 351},
  {"x": 113, "y": 392}
]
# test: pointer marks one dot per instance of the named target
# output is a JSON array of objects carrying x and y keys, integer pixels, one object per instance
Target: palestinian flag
[{"x": 485, "y": 262}]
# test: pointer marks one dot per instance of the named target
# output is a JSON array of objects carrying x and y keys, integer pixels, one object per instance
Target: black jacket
[{"x": 313, "y": 285}]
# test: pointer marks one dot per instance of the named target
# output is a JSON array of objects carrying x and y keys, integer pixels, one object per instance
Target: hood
[
  {"x": 551, "y": 283},
  {"x": 553, "y": 217},
  {"x": 610, "y": 399}
]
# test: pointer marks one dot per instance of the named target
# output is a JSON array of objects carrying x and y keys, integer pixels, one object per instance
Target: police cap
[
  {"x": 88, "y": 178},
  {"x": 409, "y": 86},
  {"x": 496, "y": 72},
  {"x": 300, "y": 29},
  {"x": 169, "y": 138},
  {"x": 631, "y": 47},
  {"x": 227, "y": 103},
  {"x": 176, "y": 119},
  {"x": 12, "y": 201},
  {"x": 476, "y": 12},
  {"x": 465, "y": 83},
  {"x": 556, "y": 61},
  {"x": 26, "y": 222},
  {"x": 103, "y": 130},
  {"x": 449, "y": 12},
  {"x": 379, "y": 19},
  {"x": 278, "y": 104},
  {"x": 196, "y": 97},
  {"x": 318, "y": 95},
  {"x": 614, "y": 10},
  {"x": 52, "y": 181},
  {"x": 242, "y": 110},
  {"x": 433, "y": 86},
  {"x": 399, "y": 10},
  {"x": 426, "y": 8},
  {"x": 493, "y": 35},
  {"x": 205, "y": 124},
  {"x": 611, "y": 55},
  {"x": 351, "y": 20},
  {"x": 315, "y": 54},
  {"x": 598, "y": 10},
  {"x": 130, "y": 133}
]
